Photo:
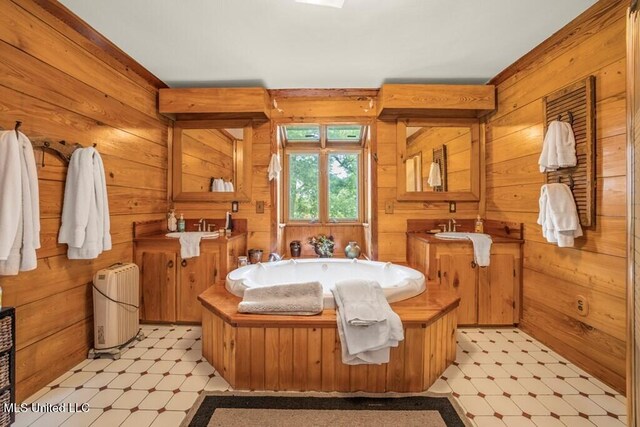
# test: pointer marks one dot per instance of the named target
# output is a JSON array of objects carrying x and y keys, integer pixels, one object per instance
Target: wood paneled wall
[
  {"x": 62, "y": 86},
  {"x": 594, "y": 44},
  {"x": 206, "y": 153},
  {"x": 392, "y": 227}
]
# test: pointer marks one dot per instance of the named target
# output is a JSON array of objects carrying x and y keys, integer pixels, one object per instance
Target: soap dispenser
[
  {"x": 479, "y": 228},
  {"x": 181, "y": 224}
]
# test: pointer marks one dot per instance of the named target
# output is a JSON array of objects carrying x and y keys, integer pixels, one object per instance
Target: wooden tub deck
[{"x": 303, "y": 353}]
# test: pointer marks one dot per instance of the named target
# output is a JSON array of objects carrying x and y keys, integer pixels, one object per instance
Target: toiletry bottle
[
  {"x": 181, "y": 223},
  {"x": 172, "y": 222},
  {"x": 479, "y": 228}
]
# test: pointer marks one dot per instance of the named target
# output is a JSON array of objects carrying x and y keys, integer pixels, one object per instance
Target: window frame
[{"x": 324, "y": 149}]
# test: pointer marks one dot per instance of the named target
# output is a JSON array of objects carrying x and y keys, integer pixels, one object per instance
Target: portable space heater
[{"x": 115, "y": 309}]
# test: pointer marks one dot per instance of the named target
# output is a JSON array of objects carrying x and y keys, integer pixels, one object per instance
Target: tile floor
[{"x": 501, "y": 377}]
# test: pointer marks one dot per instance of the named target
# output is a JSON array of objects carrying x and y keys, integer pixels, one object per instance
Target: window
[{"x": 323, "y": 173}]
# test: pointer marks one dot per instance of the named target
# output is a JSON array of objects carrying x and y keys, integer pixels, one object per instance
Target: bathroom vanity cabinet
[
  {"x": 170, "y": 285},
  {"x": 488, "y": 295}
]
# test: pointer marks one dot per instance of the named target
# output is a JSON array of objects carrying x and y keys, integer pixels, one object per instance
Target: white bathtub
[{"x": 398, "y": 282}]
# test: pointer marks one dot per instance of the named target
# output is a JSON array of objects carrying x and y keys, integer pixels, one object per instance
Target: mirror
[
  {"x": 210, "y": 161},
  {"x": 438, "y": 160}
]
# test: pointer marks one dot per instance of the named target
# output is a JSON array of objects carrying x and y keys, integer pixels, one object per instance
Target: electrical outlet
[
  {"x": 260, "y": 207},
  {"x": 388, "y": 207},
  {"x": 452, "y": 207},
  {"x": 582, "y": 305}
]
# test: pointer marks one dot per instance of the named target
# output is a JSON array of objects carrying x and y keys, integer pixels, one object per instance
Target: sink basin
[
  {"x": 454, "y": 235},
  {"x": 204, "y": 234}
]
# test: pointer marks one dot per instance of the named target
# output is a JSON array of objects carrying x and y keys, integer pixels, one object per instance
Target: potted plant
[{"x": 323, "y": 245}]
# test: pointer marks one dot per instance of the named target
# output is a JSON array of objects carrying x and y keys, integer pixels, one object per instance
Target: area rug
[{"x": 245, "y": 409}]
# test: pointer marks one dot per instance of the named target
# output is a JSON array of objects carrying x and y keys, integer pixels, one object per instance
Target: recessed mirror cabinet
[
  {"x": 438, "y": 160},
  {"x": 211, "y": 161}
]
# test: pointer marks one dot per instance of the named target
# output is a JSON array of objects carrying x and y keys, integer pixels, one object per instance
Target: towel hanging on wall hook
[{"x": 17, "y": 127}]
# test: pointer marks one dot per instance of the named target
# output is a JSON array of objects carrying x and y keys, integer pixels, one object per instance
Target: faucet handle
[{"x": 444, "y": 227}]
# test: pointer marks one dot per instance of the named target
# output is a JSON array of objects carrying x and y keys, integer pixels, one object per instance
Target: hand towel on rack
[
  {"x": 228, "y": 186},
  {"x": 85, "y": 213},
  {"x": 218, "y": 185},
  {"x": 435, "y": 178},
  {"x": 305, "y": 299},
  {"x": 558, "y": 148},
  {"x": 274, "y": 167},
  {"x": 481, "y": 248},
  {"x": 558, "y": 215},
  {"x": 19, "y": 204},
  {"x": 371, "y": 343},
  {"x": 190, "y": 245}
]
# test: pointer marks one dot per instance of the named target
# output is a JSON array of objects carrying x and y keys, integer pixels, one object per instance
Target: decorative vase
[
  {"x": 352, "y": 250},
  {"x": 324, "y": 252},
  {"x": 296, "y": 248}
]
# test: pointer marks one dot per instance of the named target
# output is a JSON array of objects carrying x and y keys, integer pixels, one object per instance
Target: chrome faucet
[
  {"x": 202, "y": 224},
  {"x": 452, "y": 226},
  {"x": 274, "y": 257}
]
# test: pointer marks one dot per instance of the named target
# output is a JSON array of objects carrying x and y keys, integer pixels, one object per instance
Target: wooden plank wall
[
  {"x": 64, "y": 87},
  {"x": 594, "y": 44},
  {"x": 392, "y": 227},
  {"x": 206, "y": 153}
]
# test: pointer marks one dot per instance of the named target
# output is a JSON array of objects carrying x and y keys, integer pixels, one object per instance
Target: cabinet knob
[
  {"x": 473, "y": 264},
  {"x": 184, "y": 263},
  {"x": 170, "y": 264}
]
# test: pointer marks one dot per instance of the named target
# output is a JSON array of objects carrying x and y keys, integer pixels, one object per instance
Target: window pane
[
  {"x": 352, "y": 133},
  {"x": 343, "y": 186},
  {"x": 303, "y": 187},
  {"x": 302, "y": 133}
]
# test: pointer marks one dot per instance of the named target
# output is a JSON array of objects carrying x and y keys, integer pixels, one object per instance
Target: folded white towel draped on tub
[
  {"x": 365, "y": 344},
  {"x": 304, "y": 299}
]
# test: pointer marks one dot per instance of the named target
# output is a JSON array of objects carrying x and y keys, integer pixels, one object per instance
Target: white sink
[
  {"x": 454, "y": 235},
  {"x": 204, "y": 234}
]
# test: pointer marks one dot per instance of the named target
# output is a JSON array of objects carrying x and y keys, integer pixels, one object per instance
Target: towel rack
[
  {"x": 576, "y": 102},
  {"x": 61, "y": 148},
  {"x": 440, "y": 158}
]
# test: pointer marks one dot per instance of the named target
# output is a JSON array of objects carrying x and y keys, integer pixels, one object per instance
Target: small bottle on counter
[
  {"x": 172, "y": 222},
  {"x": 182, "y": 225},
  {"x": 479, "y": 228}
]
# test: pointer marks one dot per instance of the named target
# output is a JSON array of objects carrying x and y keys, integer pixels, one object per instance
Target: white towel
[
  {"x": 86, "y": 226},
  {"x": 559, "y": 147},
  {"x": 218, "y": 185},
  {"x": 362, "y": 308},
  {"x": 228, "y": 186},
  {"x": 366, "y": 344},
  {"x": 558, "y": 215},
  {"x": 19, "y": 204},
  {"x": 190, "y": 245},
  {"x": 287, "y": 299},
  {"x": 481, "y": 248},
  {"x": 435, "y": 179},
  {"x": 274, "y": 167}
]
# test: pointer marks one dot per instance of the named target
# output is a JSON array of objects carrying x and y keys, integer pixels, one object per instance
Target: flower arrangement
[{"x": 322, "y": 244}]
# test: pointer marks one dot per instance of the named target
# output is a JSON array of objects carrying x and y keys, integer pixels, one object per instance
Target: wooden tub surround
[{"x": 303, "y": 353}]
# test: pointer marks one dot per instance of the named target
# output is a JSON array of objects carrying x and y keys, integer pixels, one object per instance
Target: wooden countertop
[
  {"x": 420, "y": 310},
  {"x": 163, "y": 238},
  {"x": 431, "y": 238}
]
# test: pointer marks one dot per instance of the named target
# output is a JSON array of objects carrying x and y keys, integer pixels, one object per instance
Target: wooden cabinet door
[
  {"x": 496, "y": 291},
  {"x": 157, "y": 286},
  {"x": 196, "y": 275},
  {"x": 457, "y": 271}
]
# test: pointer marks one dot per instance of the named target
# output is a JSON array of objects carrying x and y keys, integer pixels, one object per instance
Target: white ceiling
[{"x": 284, "y": 44}]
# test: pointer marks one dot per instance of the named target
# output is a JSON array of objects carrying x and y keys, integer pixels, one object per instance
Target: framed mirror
[
  {"x": 212, "y": 161},
  {"x": 438, "y": 159}
]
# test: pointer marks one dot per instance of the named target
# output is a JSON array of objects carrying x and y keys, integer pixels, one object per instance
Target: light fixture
[{"x": 330, "y": 3}]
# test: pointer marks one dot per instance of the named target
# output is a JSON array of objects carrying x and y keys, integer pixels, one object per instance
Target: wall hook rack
[
  {"x": 569, "y": 116},
  {"x": 571, "y": 183}
]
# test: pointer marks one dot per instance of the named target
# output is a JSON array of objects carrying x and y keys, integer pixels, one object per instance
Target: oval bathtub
[{"x": 398, "y": 282}]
